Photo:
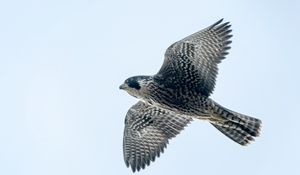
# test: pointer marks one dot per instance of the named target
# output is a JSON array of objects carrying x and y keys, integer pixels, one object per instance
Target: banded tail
[{"x": 238, "y": 127}]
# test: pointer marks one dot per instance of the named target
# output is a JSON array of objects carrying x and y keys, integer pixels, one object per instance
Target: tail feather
[
  {"x": 238, "y": 136},
  {"x": 238, "y": 127}
]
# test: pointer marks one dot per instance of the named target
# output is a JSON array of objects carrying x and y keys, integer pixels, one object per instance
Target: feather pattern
[
  {"x": 192, "y": 61},
  {"x": 147, "y": 131}
]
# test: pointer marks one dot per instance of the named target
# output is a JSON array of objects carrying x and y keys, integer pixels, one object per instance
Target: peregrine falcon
[{"x": 179, "y": 93}]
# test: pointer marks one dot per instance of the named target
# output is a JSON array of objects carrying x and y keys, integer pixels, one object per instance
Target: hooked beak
[{"x": 123, "y": 86}]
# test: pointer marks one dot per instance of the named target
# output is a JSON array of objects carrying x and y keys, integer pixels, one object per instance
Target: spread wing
[
  {"x": 191, "y": 63},
  {"x": 147, "y": 131}
]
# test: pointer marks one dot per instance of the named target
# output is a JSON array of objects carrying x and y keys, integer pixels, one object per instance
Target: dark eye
[{"x": 134, "y": 84}]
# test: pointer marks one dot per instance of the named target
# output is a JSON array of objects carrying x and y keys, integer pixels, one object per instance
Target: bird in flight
[{"x": 179, "y": 93}]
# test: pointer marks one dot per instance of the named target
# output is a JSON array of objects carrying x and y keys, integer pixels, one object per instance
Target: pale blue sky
[{"x": 61, "y": 63}]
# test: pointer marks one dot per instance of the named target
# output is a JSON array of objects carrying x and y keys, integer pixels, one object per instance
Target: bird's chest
[{"x": 180, "y": 99}]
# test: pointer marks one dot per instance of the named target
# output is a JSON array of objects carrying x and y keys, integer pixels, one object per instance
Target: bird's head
[{"x": 137, "y": 86}]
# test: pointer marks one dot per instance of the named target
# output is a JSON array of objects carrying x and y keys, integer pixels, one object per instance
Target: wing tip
[
  {"x": 216, "y": 23},
  {"x": 219, "y": 22}
]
